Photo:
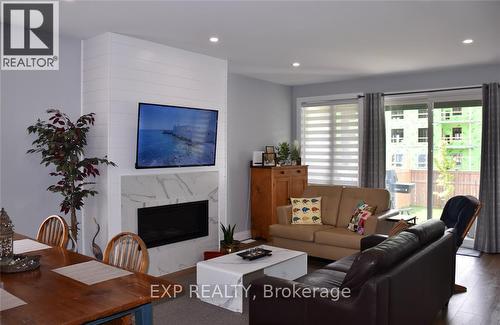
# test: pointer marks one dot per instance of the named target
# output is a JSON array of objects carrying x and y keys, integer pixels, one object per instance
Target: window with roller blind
[{"x": 330, "y": 142}]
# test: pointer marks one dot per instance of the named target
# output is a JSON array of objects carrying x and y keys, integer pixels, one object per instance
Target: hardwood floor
[{"x": 480, "y": 305}]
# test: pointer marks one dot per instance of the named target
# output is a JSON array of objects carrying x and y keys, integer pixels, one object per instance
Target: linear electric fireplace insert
[{"x": 172, "y": 223}]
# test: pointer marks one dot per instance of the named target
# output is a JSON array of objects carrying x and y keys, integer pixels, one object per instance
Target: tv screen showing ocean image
[{"x": 170, "y": 136}]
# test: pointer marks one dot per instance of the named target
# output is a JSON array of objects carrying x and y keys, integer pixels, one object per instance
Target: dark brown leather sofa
[{"x": 405, "y": 279}]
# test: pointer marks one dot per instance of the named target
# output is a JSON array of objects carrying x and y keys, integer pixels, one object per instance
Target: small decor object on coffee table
[
  {"x": 255, "y": 253},
  {"x": 269, "y": 149}
]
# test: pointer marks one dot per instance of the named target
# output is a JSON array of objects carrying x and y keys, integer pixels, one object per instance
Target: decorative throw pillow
[
  {"x": 363, "y": 211},
  {"x": 306, "y": 211}
]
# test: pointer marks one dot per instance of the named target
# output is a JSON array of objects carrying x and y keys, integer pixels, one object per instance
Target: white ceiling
[{"x": 332, "y": 40}]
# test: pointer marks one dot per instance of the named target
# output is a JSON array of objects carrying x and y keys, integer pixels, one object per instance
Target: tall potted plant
[{"x": 61, "y": 144}]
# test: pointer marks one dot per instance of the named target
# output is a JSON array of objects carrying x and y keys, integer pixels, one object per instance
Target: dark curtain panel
[
  {"x": 488, "y": 223},
  {"x": 373, "y": 146}
]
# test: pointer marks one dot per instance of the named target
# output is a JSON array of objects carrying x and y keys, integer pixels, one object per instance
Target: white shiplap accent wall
[
  {"x": 95, "y": 98},
  {"x": 118, "y": 73}
]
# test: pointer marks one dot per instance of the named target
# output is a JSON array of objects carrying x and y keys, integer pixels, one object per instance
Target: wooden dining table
[{"x": 52, "y": 298}]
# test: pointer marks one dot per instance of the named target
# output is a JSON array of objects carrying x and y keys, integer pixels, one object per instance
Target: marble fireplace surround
[{"x": 143, "y": 191}]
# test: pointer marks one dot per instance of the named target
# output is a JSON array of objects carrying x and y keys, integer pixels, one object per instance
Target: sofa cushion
[
  {"x": 340, "y": 237},
  {"x": 330, "y": 201},
  {"x": 297, "y": 232},
  {"x": 344, "y": 264},
  {"x": 428, "y": 231},
  {"x": 323, "y": 278},
  {"x": 380, "y": 258},
  {"x": 376, "y": 197}
]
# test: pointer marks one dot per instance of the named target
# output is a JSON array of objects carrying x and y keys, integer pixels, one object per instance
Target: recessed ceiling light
[
  {"x": 296, "y": 64},
  {"x": 468, "y": 41},
  {"x": 214, "y": 39}
]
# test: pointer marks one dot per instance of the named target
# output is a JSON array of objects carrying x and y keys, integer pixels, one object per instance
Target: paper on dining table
[
  {"x": 28, "y": 245},
  {"x": 91, "y": 272},
  {"x": 8, "y": 300}
]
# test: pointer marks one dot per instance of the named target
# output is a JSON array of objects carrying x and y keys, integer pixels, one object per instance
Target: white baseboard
[{"x": 242, "y": 235}]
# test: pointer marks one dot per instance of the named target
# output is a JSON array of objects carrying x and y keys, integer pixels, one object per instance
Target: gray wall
[
  {"x": 259, "y": 114},
  {"x": 448, "y": 78},
  {"x": 25, "y": 95}
]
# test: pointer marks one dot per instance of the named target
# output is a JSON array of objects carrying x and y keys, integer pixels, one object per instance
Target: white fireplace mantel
[{"x": 118, "y": 72}]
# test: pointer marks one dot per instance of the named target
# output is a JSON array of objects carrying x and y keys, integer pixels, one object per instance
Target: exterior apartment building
[
  {"x": 456, "y": 130},
  {"x": 460, "y": 129}
]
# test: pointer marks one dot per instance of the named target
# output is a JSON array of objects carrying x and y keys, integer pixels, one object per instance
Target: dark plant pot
[{"x": 229, "y": 248}]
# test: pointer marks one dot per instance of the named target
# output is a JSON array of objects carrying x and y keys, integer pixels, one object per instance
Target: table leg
[{"x": 144, "y": 315}]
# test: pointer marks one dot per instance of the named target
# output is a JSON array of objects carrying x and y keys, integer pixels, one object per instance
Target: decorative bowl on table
[
  {"x": 20, "y": 263},
  {"x": 255, "y": 253}
]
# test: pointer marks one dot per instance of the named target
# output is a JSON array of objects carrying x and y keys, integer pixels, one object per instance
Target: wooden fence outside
[{"x": 465, "y": 183}]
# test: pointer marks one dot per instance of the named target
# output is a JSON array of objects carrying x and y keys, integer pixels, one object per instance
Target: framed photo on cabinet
[
  {"x": 269, "y": 159},
  {"x": 269, "y": 149}
]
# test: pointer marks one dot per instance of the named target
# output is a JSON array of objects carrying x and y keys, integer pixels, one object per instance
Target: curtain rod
[{"x": 427, "y": 91}]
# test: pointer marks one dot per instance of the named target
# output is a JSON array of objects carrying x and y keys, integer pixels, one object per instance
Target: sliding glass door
[
  {"x": 433, "y": 152},
  {"x": 456, "y": 127},
  {"x": 407, "y": 156}
]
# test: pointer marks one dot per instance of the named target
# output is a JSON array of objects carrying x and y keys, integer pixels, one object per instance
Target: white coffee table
[{"x": 221, "y": 281}]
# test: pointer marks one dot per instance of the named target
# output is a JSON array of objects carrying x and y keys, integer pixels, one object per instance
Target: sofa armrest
[
  {"x": 372, "y": 240},
  {"x": 284, "y": 214},
  {"x": 371, "y": 222}
]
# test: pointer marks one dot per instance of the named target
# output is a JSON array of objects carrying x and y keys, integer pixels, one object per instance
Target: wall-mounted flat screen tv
[{"x": 173, "y": 136}]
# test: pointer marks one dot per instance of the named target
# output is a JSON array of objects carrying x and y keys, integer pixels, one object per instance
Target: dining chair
[
  {"x": 127, "y": 251},
  {"x": 53, "y": 231}
]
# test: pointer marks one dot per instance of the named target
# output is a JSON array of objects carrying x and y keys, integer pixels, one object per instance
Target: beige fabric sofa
[{"x": 332, "y": 239}]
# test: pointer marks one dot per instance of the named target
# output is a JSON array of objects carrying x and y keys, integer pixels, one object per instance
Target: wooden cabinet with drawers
[{"x": 272, "y": 187}]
